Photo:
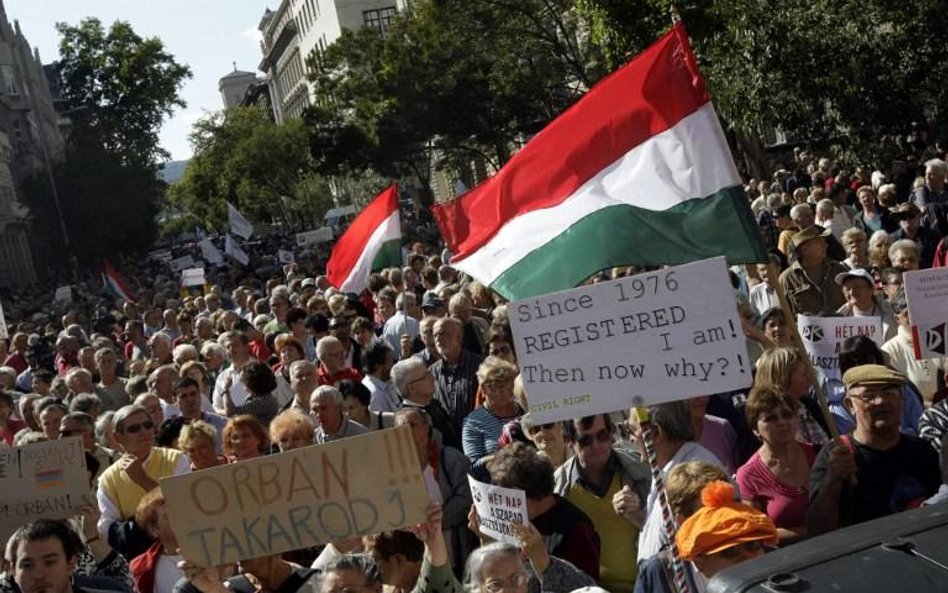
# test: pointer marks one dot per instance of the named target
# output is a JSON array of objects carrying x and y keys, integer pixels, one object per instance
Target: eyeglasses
[
  {"x": 500, "y": 351},
  {"x": 882, "y": 395},
  {"x": 603, "y": 436},
  {"x": 538, "y": 427},
  {"x": 135, "y": 428},
  {"x": 496, "y": 585}
]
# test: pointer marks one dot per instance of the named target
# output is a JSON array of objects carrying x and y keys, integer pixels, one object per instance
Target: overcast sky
[{"x": 208, "y": 35}]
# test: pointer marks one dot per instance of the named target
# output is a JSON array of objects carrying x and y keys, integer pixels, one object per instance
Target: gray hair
[
  {"x": 474, "y": 577},
  {"x": 325, "y": 392},
  {"x": 123, "y": 413},
  {"x": 405, "y": 299},
  {"x": 674, "y": 418},
  {"x": 85, "y": 402},
  {"x": 402, "y": 369},
  {"x": 324, "y": 343},
  {"x": 153, "y": 377},
  {"x": 361, "y": 563},
  {"x": 298, "y": 363},
  {"x": 903, "y": 245},
  {"x": 182, "y": 353},
  {"x": 102, "y": 425},
  {"x": 937, "y": 165},
  {"x": 796, "y": 210},
  {"x": 773, "y": 201},
  {"x": 877, "y": 237},
  {"x": 213, "y": 348},
  {"x": 826, "y": 206}
]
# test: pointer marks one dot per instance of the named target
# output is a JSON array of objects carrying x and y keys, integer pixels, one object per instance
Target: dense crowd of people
[{"x": 273, "y": 359}]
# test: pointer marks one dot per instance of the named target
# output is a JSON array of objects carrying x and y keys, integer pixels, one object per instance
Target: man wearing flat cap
[
  {"x": 894, "y": 471},
  {"x": 810, "y": 281}
]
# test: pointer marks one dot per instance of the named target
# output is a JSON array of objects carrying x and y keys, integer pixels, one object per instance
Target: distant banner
[
  {"x": 498, "y": 509},
  {"x": 663, "y": 335},
  {"x": 823, "y": 338},
  {"x": 233, "y": 249},
  {"x": 285, "y": 256},
  {"x": 192, "y": 277},
  {"x": 298, "y": 499},
  {"x": 162, "y": 255},
  {"x": 181, "y": 263},
  {"x": 41, "y": 481},
  {"x": 63, "y": 295},
  {"x": 4, "y": 332},
  {"x": 210, "y": 252},
  {"x": 926, "y": 292},
  {"x": 239, "y": 225},
  {"x": 321, "y": 235}
]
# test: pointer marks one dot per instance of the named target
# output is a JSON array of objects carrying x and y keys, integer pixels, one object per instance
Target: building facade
[
  {"x": 30, "y": 142},
  {"x": 296, "y": 30},
  {"x": 234, "y": 86}
]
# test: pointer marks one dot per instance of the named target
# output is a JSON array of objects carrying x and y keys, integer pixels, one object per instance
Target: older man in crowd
[
  {"x": 894, "y": 471},
  {"x": 326, "y": 406},
  {"x": 136, "y": 472},
  {"x": 332, "y": 362},
  {"x": 809, "y": 282},
  {"x": 456, "y": 373},
  {"x": 859, "y": 288},
  {"x": 416, "y": 386}
]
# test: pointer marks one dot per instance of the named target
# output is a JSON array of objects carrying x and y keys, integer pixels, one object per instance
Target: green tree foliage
[
  {"x": 264, "y": 169},
  {"x": 824, "y": 71},
  {"x": 118, "y": 88}
]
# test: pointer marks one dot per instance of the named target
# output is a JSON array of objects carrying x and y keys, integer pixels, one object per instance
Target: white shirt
[
  {"x": 383, "y": 394},
  {"x": 763, "y": 297},
  {"x": 924, "y": 373},
  {"x": 652, "y": 534},
  {"x": 397, "y": 326},
  {"x": 238, "y": 393}
]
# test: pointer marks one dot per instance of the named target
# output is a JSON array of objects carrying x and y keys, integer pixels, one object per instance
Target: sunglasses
[
  {"x": 135, "y": 428},
  {"x": 538, "y": 427},
  {"x": 603, "y": 436}
]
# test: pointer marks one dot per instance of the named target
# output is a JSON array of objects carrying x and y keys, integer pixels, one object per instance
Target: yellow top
[
  {"x": 618, "y": 538},
  {"x": 125, "y": 493}
]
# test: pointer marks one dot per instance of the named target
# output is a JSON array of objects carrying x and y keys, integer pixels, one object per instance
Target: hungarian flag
[
  {"x": 114, "y": 282},
  {"x": 635, "y": 173},
  {"x": 372, "y": 242}
]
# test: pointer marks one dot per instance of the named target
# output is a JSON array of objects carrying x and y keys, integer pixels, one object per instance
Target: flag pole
[{"x": 669, "y": 526}]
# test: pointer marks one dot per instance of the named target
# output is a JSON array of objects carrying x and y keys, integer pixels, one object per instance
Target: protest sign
[
  {"x": 926, "y": 292},
  {"x": 285, "y": 256},
  {"x": 210, "y": 252},
  {"x": 239, "y": 225},
  {"x": 192, "y": 277},
  {"x": 181, "y": 263},
  {"x": 162, "y": 255},
  {"x": 320, "y": 235},
  {"x": 824, "y": 336},
  {"x": 304, "y": 497},
  {"x": 41, "y": 481},
  {"x": 63, "y": 295},
  {"x": 497, "y": 509},
  {"x": 233, "y": 249},
  {"x": 4, "y": 332},
  {"x": 663, "y": 335}
]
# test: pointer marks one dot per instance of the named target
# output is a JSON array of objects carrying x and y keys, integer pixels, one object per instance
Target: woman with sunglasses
[
  {"x": 549, "y": 439},
  {"x": 776, "y": 479}
]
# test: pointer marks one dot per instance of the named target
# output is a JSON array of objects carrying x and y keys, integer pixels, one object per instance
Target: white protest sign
[
  {"x": 314, "y": 495},
  {"x": 192, "y": 277},
  {"x": 4, "y": 332},
  {"x": 497, "y": 509},
  {"x": 181, "y": 263},
  {"x": 285, "y": 256},
  {"x": 663, "y": 335},
  {"x": 926, "y": 292},
  {"x": 63, "y": 295},
  {"x": 234, "y": 250},
  {"x": 162, "y": 255},
  {"x": 41, "y": 481},
  {"x": 320, "y": 235},
  {"x": 824, "y": 336},
  {"x": 211, "y": 253},
  {"x": 239, "y": 225}
]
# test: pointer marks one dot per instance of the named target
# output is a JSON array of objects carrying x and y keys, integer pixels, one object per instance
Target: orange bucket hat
[{"x": 722, "y": 523}]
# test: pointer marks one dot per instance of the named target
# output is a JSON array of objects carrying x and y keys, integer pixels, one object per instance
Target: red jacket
[{"x": 143, "y": 567}]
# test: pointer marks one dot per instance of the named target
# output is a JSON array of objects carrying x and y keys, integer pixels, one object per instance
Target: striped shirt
[
  {"x": 481, "y": 433},
  {"x": 934, "y": 424}
]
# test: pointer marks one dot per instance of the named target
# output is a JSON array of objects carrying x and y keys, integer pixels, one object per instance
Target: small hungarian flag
[
  {"x": 114, "y": 282},
  {"x": 372, "y": 242},
  {"x": 635, "y": 173}
]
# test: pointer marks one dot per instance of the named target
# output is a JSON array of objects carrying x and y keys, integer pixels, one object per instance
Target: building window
[{"x": 379, "y": 19}]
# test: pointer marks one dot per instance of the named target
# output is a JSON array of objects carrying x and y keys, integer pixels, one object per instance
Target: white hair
[{"x": 937, "y": 165}]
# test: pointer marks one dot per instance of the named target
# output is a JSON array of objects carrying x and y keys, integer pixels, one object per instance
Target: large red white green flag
[
  {"x": 635, "y": 173},
  {"x": 372, "y": 242}
]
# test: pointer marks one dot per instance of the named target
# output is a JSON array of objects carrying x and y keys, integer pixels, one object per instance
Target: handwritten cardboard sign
[
  {"x": 41, "y": 481},
  {"x": 298, "y": 499},
  {"x": 192, "y": 277},
  {"x": 497, "y": 509},
  {"x": 663, "y": 335},
  {"x": 926, "y": 292},
  {"x": 823, "y": 338}
]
